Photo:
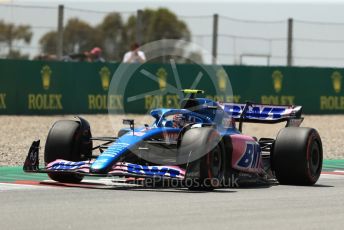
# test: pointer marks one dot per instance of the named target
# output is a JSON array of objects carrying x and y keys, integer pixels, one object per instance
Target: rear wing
[{"x": 261, "y": 113}]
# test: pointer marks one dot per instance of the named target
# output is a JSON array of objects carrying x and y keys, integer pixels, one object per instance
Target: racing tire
[
  {"x": 208, "y": 160},
  {"x": 297, "y": 156},
  {"x": 63, "y": 142}
]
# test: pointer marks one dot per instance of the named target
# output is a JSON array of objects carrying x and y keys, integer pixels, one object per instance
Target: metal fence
[{"x": 233, "y": 41}]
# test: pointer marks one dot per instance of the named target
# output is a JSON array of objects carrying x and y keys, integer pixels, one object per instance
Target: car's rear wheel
[
  {"x": 297, "y": 156},
  {"x": 65, "y": 141}
]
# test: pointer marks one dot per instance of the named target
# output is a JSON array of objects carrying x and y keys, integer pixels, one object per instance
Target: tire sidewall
[
  {"x": 291, "y": 156},
  {"x": 209, "y": 141},
  {"x": 313, "y": 140},
  {"x": 64, "y": 142}
]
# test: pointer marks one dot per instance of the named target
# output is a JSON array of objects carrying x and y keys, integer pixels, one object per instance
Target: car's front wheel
[
  {"x": 65, "y": 141},
  {"x": 202, "y": 151}
]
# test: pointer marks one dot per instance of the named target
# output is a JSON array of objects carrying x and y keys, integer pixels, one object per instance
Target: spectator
[
  {"x": 135, "y": 55},
  {"x": 96, "y": 55}
]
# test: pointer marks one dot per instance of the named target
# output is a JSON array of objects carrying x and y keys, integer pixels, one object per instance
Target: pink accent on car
[
  {"x": 121, "y": 168},
  {"x": 240, "y": 143}
]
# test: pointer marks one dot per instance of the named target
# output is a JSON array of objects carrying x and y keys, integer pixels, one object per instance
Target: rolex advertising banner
[{"x": 38, "y": 87}]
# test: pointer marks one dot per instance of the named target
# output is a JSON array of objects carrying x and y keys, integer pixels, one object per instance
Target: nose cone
[{"x": 119, "y": 148}]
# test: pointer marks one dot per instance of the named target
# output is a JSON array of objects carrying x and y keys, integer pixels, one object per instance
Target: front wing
[{"x": 126, "y": 169}]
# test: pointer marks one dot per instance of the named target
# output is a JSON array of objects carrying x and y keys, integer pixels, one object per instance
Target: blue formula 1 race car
[{"x": 198, "y": 145}]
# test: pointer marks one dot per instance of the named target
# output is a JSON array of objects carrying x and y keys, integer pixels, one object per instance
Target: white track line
[
  {"x": 101, "y": 182},
  {"x": 331, "y": 176},
  {"x": 8, "y": 186}
]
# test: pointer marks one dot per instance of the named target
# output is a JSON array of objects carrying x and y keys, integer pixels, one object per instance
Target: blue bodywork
[
  {"x": 160, "y": 126},
  {"x": 206, "y": 111},
  {"x": 197, "y": 112}
]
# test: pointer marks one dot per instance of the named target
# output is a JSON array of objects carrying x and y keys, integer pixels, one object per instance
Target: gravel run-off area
[{"x": 18, "y": 132}]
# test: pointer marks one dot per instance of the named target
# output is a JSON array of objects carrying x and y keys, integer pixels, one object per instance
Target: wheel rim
[
  {"x": 315, "y": 159},
  {"x": 216, "y": 163}
]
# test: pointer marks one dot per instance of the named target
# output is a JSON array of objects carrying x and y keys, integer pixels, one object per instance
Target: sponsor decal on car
[
  {"x": 251, "y": 157},
  {"x": 258, "y": 112},
  {"x": 152, "y": 170},
  {"x": 145, "y": 170},
  {"x": 65, "y": 165},
  {"x": 115, "y": 149}
]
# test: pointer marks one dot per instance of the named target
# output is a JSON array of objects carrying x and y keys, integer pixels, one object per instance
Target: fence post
[
  {"x": 139, "y": 27},
  {"x": 215, "y": 31},
  {"x": 290, "y": 43},
  {"x": 59, "y": 51}
]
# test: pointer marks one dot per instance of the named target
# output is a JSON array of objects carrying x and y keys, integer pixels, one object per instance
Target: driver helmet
[{"x": 179, "y": 121}]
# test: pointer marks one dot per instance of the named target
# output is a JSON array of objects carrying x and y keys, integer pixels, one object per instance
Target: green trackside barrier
[{"x": 39, "y": 87}]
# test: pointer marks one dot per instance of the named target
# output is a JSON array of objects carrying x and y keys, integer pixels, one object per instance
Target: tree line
[{"x": 113, "y": 34}]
